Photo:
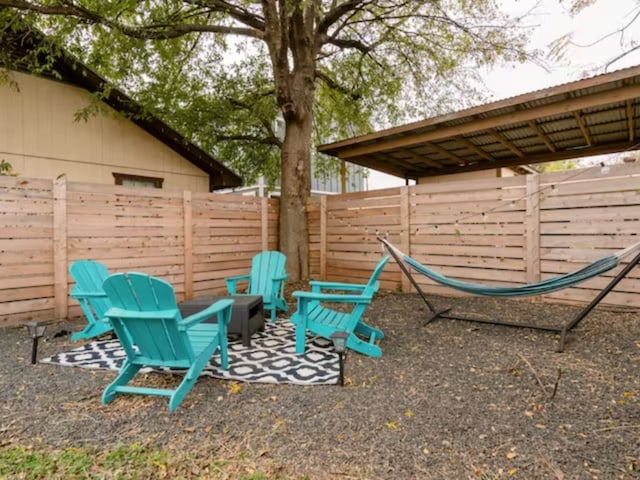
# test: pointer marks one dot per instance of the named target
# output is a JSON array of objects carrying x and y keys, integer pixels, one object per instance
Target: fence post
[
  {"x": 323, "y": 237},
  {"x": 532, "y": 230},
  {"x": 187, "y": 213},
  {"x": 264, "y": 219},
  {"x": 405, "y": 234},
  {"x": 60, "y": 260}
]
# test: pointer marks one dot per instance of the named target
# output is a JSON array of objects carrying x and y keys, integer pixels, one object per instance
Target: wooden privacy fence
[
  {"x": 502, "y": 231},
  {"x": 193, "y": 240}
]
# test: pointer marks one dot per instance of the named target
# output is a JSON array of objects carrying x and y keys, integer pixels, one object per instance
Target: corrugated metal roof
[{"x": 591, "y": 116}]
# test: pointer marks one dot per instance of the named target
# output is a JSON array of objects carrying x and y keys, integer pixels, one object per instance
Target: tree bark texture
[
  {"x": 289, "y": 35},
  {"x": 296, "y": 189}
]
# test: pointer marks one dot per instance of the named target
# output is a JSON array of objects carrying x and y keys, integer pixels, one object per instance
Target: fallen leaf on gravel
[
  {"x": 235, "y": 387},
  {"x": 528, "y": 413},
  {"x": 392, "y": 424},
  {"x": 511, "y": 455},
  {"x": 512, "y": 471},
  {"x": 409, "y": 414},
  {"x": 426, "y": 451}
]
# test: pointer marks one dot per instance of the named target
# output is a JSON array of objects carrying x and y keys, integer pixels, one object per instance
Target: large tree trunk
[
  {"x": 289, "y": 35},
  {"x": 296, "y": 189}
]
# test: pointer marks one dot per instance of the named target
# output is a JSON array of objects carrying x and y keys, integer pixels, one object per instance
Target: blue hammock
[{"x": 546, "y": 286}]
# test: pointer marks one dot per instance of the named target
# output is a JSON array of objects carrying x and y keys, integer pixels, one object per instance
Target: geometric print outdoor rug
[{"x": 270, "y": 359}]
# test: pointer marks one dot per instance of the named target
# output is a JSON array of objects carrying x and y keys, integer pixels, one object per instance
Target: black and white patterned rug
[{"x": 270, "y": 359}]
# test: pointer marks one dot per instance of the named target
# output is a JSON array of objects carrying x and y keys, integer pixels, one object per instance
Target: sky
[{"x": 552, "y": 20}]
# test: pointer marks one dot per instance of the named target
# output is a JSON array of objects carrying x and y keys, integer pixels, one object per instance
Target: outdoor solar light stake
[
  {"x": 36, "y": 330},
  {"x": 339, "y": 339}
]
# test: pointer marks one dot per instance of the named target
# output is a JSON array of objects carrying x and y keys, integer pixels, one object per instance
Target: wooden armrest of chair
[
  {"x": 77, "y": 295},
  {"x": 332, "y": 297},
  {"x": 317, "y": 286}
]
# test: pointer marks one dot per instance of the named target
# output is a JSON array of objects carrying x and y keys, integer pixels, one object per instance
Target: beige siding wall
[
  {"x": 495, "y": 173},
  {"x": 39, "y": 137}
]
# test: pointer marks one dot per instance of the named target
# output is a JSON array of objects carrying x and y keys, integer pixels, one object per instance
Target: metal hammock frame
[{"x": 546, "y": 286}]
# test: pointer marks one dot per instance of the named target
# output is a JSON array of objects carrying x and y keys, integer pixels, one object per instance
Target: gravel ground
[{"x": 451, "y": 400}]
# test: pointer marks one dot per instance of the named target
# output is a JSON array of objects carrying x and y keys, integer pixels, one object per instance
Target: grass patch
[{"x": 124, "y": 462}]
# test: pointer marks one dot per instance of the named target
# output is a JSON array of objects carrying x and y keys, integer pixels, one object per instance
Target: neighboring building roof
[
  {"x": 78, "y": 74},
  {"x": 592, "y": 116}
]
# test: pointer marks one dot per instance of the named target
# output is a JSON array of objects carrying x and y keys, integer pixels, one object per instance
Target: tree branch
[
  {"x": 336, "y": 12},
  {"x": 157, "y": 31},
  {"x": 271, "y": 137},
  {"x": 270, "y": 140},
  {"x": 243, "y": 15},
  {"x": 618, "y": 57},
  {"x": 333, "y": 84}
]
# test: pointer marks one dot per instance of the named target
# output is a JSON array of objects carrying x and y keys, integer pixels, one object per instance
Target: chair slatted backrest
[
  {"x": 89, "y": 276},
  {"x": 373, "y": 284},
  {"x": 371, "y": 288},
  {"x": 264, "y": 267},
  {"x": 149, "y": 319}
]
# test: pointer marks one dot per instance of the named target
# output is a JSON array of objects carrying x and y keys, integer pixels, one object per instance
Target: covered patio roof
[{"x": 593, "y": 116}]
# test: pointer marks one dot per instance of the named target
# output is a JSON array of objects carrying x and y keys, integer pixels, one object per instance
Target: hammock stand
[{"x": 562, "y": 330}]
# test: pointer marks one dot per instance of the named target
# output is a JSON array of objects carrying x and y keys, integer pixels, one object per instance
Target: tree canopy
[
  {"x": 628, "y": 42},
  {"x": 222, "y": 71}
]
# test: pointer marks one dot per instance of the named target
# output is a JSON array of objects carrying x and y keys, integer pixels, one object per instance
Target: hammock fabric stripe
[{"x": 546, "y": 286}]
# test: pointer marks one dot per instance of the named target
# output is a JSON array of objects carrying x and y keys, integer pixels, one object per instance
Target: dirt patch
[{"x": 450, "y": 400}]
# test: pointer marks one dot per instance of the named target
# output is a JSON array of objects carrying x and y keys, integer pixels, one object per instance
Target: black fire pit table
[{"x": 247, "y": 313}]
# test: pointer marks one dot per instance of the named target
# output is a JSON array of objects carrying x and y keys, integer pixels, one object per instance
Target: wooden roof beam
[
  {"x": 444, "y": 152},
  {"x": 534, "y": 126},
  {"x": 495, "y": 134},
  {"x": 423, "y": 159},
  {"x": 383, "y": 165},
  {"x": 405, "y": 165},
  {"x": 537, "y": 158},
  {"x": 474, "y": 148},
  {"x": 444, "y": 132},
  {"x": 630, "y": 121},
  {"x": 583, "y": 128}
]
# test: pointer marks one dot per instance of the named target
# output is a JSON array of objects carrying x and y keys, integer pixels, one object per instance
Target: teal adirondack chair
[
  {"x": 147, "y": 321},
  {"x": 89, "y": 276},
  {"x": 267, "y": 278},
  {"x": 313, "y": 316}
]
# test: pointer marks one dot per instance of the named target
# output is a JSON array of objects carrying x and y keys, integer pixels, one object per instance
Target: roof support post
[{"x": 532, "y": 229}]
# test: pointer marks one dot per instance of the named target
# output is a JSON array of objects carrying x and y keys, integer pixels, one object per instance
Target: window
[{"x": 129, "y": 180}]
